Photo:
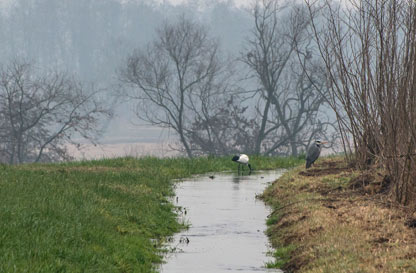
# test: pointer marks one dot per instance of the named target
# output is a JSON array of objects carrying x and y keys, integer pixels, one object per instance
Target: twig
[{"x": 305, "y": 200}]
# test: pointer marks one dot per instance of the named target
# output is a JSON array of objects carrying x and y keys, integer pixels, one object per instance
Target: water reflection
[
  {"x": 227, "y": 225},
  {"x": 236, "y": 178}
]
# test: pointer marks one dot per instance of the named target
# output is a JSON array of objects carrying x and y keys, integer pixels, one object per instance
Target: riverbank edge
[
  {"x": 331, "y": 218},
  {"x": 107, "y": 215}
]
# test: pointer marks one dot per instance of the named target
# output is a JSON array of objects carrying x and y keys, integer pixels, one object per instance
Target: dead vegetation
[
  {"x": 369, "y": 49},
  {"x": 339, "y": 220}
]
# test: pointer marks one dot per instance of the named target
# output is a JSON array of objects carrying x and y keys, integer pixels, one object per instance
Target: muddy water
[{"x": 227, "y": 225}]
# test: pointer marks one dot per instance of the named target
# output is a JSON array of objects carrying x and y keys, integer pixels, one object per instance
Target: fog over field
[
  {"x": 147, "y": 77},
  {"x": 90, "y": 39}
]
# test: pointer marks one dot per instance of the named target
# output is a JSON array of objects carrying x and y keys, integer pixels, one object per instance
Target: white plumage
[{"x": 242, "y": 159}]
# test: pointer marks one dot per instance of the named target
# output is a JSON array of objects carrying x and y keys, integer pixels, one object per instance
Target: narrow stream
[{"x": 227, "y": 225}]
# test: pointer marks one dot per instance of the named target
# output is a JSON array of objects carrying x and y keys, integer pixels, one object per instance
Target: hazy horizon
[{"x": 96, "y": 48}]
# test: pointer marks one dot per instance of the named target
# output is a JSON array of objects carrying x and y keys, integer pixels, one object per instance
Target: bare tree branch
[{"x": 42, "y": 113}]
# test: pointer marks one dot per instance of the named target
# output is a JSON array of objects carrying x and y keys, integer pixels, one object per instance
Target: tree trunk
[
  {"x": 260, "y": 135},
  {"x": 294, "y": 148},
  {"x": 185, "y": 144}
]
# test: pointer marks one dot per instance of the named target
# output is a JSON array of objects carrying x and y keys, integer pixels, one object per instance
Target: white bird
[{"x": 241, "y": 159}]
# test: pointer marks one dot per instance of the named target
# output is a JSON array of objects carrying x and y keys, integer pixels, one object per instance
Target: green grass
[
  {"x": 281, "y": 256},
  {"x": 96, "y": 216}
]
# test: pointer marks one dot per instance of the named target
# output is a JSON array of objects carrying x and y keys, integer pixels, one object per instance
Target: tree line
[
  {"x": 270, "y": 99},
  {"x": 356, "y": 57},
  {"x": 266, "y": 99},
  {"x": 298, "y": 61}
]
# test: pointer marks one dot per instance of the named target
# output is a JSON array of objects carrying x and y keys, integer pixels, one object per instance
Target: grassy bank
[
  {"x": 95, "y": 216},
  {"x": 332, "y": 219}
]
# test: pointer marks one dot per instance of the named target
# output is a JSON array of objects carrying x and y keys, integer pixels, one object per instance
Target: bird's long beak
[{"x": 324, "y": 142}]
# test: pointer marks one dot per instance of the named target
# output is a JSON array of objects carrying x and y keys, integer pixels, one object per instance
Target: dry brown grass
[{"x": 338, "y": 220}]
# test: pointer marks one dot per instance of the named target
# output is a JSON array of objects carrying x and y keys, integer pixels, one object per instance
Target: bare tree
[
  {"x": 223, "y": 127},
  {"x": 290, "y": 104},
  {"x": 171, "y": 76},
  {"x": 369, "y": 51},
  {"x": 40, "y": 114}
]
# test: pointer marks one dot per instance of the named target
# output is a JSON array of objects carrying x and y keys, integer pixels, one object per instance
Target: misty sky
[
  {"x": 239, "y": 3},
  {"x": 204, "y": 2},
  {"x": 35, "y": 38}
]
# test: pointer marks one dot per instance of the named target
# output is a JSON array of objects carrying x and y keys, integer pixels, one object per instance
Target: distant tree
[
  {"x": 290, "y": 99},
  {"x": 172, "y": 74},
  {"x": 223, "y": 127},
  {"x": 39, "y": 115}
]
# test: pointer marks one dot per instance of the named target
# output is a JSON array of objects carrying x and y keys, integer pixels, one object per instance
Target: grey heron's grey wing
[{"x": 313, "y": 154}]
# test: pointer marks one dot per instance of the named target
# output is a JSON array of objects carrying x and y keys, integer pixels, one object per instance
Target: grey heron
[
  {"x": 313, "y": 153},
  {"x": 241, "y": 159}
]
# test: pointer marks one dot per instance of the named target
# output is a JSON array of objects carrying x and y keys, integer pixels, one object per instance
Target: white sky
[{"x": 239, "y": 3}]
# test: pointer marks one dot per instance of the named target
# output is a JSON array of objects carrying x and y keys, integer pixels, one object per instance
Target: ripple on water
[{"x": 227, "y": 225}]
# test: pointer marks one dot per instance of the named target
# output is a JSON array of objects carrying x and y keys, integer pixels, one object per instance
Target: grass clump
[
  {"x": 108, "y": 215},
  {"x": 282, "y": 256}
]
